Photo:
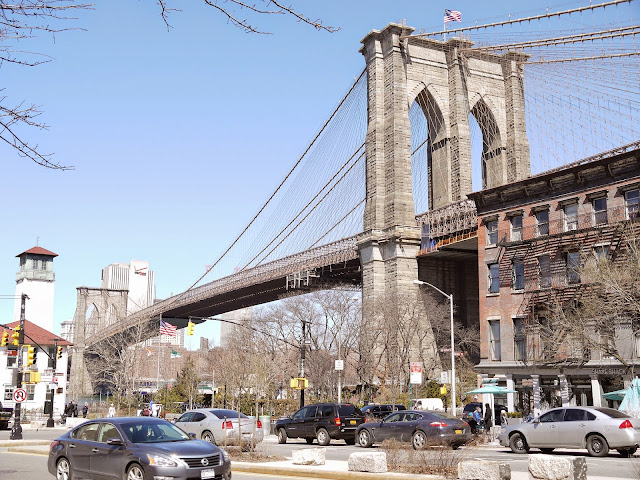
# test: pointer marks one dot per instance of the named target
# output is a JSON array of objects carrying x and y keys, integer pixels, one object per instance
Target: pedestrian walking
[
  {"x": 112, "y": 411},
  {"x": 85, "y": 410},
  {"x": 75, "y": 410}
]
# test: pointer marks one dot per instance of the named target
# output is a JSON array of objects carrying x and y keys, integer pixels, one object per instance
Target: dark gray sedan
[
  {"x": 421, "y": 428},
  {"x": 135, "y": 448}
]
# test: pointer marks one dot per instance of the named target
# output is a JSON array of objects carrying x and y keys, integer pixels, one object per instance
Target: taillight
[
  {"x": 56, "y": 442},
  {"x": 438, "y": 424},
  {"x": 626, "y": 424},
  {"x": 259, "y": 424},
  {"x": 227, "y": 424},
  {"x": 337, "y": 421}
]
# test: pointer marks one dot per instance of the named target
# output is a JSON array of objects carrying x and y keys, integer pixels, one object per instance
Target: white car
[
  {"x": 597, "y": 429},
  {"x": 220, "y": 426}
]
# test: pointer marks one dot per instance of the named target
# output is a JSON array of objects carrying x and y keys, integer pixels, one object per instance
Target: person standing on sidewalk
[{"x": 85, "y": 410}]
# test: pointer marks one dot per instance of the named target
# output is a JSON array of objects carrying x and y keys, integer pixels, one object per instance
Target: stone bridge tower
[{"x": 449, "y": 81}]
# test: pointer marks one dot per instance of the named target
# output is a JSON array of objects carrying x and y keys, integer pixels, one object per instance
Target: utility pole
[
  {"x": 50, "y": 422},
  {"x": 303, "y": 350},
  {"x": 16, "y": 431}
]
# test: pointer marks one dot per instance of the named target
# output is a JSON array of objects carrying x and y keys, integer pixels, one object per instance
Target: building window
[
  {"x": 599, "y": 211},
  {"x": 602, "y": 252},
  {"x": 517, "y": 274},
  {"x": 492, "y": 232},
  {"x": 494, "y": 340},
  {"x": 8, "y": 393},
  {"x": 636, "y": 343},
  {"x": 542, "y": 223},
  {"x": 36, "y": 264},
  {"x": 12, "y": 362},
  {"x": 544, "y": 271},
  {"x": 519, "y": 339},
  {"x": 573, "y": 267},
  {"x": 31, "y": 391},
  {"x": 571, "y": 217},
  {"x": 632, "y": 201},
  {"x": 516, "y": 228},
  {"x": 494, "y": 278}
]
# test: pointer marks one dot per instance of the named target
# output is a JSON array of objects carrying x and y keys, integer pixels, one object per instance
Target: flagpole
[
  {"x": 444, "y": 25},
  {"x": 158, "y": 374}
]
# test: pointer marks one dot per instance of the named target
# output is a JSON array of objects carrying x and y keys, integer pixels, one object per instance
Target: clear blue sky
[{"x": 178, "y": 136}]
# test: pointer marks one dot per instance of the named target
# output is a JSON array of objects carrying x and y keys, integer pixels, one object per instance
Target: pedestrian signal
[{"x": 299, "y": 383}]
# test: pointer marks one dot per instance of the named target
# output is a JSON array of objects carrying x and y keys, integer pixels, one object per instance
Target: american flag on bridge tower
[
  {"x": 167, "y": 329},
  {"x": 452, "y": 16}
]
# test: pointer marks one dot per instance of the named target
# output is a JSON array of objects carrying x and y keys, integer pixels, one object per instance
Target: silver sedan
[
  {"x": 594, "y": 428},
  {"x": 221, "y": 426}
]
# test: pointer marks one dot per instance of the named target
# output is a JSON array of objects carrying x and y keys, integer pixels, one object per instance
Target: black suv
[
  {"x": 374, "y": 413},
  {"x": 322, "y": 421}
]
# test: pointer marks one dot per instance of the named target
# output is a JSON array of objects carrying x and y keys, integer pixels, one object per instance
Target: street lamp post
[{"x": 453, "y": 356}]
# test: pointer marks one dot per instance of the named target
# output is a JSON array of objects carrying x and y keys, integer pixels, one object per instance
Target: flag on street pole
[
  {"x": 175, "y": 354},
  {"x": 167, "y": 329}
]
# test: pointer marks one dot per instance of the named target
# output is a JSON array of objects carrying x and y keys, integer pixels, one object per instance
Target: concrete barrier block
[
  {"x": 552, "y": 467},
  {"x": 375, "y": 462},
  {"x": 309, "y": 456},
  {"x": 74, "y": 421},
  {"x": 483, "y": 470}
]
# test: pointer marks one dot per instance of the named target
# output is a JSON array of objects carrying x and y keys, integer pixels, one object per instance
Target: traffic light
[
  {"x": 5, "y": 338},
  {"x": 31, "y": 355},
  {"x": 299, "y": 383},
  {"x": 15, "y": 336},
  {"x": 31, "y": 377},
  {"x": 59, "y": 352},
  {"x": 190, "y": 327}
]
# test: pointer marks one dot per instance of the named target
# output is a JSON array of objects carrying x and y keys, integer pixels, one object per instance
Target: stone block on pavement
[
  {"x": 552, "y": 467},
  {"x": 375, "y": 462},
  {"x": 483, "y": 470},
  {"x": 309, "y": 456},
  {"x": 74, "y": 421}
]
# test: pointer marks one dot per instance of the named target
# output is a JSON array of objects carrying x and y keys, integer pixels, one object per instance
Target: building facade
[
  {"x": 533, "y": 235},
  {"x": 36, "y": 279},
  {"x": 53, "y": 370}
]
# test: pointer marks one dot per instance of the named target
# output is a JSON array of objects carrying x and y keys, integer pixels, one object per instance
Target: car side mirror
[
  {"x": 192, "y": 435},
  {"x": 115, "y": 441},
  {"x": 174, "y": 421}
]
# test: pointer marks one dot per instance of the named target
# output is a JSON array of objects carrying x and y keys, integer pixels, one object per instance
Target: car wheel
[
  {"x": 323, "y": 437},
  {"x": 597, "y": 446},
  {"x": 518, "y": 444},
  {"x": 309, "y": 440},
  {"x": 419, "y": 440},
  {"x": 350, "y": 441},
  {"x": 282, "y": 436},
  {"x": 134, "y": 472},
  {"x": 627, "y": 452},
  {"x": 547, "y": 450},
  {"x": 364, "y": 438},
  {"x": 63, "y": 470},
  {"x": 207, "y": 436}
]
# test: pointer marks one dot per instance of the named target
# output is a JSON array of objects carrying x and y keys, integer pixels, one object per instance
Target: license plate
[
  {"x": 352, "y": 422},
  {"x": 458, "y": 432},
  {"x": 208, "y": 473}
]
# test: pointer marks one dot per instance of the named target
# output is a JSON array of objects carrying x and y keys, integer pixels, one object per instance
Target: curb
[
  {"x": 23, "y": 443},
  {"x": 26, "y": 449},
  {"x": 324, "y": 474}
]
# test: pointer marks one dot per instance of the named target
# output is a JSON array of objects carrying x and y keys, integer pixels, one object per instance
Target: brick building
[{"x": 532, "y": 236}]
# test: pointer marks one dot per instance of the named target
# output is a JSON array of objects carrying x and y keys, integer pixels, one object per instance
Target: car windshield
[
  {"x": 348, "y": 410},
  {"x": 223, "y": 413},
  {"x": 610, "y": 412},
  {"x": 153, "y": 432}
]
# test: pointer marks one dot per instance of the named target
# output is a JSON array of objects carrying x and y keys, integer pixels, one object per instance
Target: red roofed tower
[{"x": 36, "y": 279}]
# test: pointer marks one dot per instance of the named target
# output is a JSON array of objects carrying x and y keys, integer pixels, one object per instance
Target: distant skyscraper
[
  {"x": 36, "y": 279},
  {"x": 67, "y": 329},
  {"x": 230, "y": 326},
  {"x": 135, "y": 277}
]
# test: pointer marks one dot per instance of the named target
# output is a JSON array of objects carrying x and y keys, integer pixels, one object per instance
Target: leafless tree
[
  {"x": 602, "y": 318},
  {"x": 24, "y": 19}
]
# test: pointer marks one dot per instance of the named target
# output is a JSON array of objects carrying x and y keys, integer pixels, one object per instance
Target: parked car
[
  {"x": 375, "y": 412},
  {"x": 322, "y": 421},
  {"x": 420, "y": 427},
  {"x": 134, "y": 448},
  {"x": 594, "y": 428},
  {"x": 5, "y": 416},
  {"x": 221, "y": 426},
  {"x": 428, "y": 404}
]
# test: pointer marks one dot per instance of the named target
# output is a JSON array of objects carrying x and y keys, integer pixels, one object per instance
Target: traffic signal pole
[
  {"x": 50, "y": 422},
  {"x": 16, "y": 431}
]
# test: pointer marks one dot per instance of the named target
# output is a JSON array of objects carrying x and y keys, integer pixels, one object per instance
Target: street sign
[
  {"x": 19, "y": 395},
  {"x": 444, "y": 377},
  {"x": 415, "y": 377},
  {"x": 339, "y": 365}
]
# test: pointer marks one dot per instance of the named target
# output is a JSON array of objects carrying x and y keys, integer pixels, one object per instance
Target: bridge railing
[{"x": 453, "y": 219}]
